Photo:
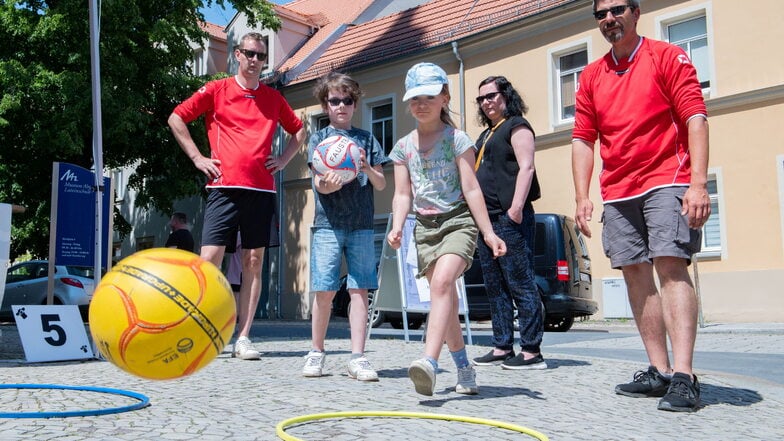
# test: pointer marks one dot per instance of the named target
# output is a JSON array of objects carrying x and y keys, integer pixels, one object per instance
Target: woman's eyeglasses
[
  {"x": 616, "y": 11},
  {"x": 334, "y": 102},
  {"x": 488, "y": 96}
]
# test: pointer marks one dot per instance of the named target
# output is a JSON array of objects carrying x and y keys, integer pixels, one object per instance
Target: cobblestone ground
[{"x": 244, "y": 400}]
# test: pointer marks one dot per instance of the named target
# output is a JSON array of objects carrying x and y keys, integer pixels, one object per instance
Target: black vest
[{"x": 497, "y": 173}]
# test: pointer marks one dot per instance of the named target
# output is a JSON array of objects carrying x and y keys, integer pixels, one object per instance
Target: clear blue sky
[{"x": 220, "y": 16}]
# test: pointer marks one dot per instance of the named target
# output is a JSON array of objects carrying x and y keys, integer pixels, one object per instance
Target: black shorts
[{"x": 250, "y": 211}]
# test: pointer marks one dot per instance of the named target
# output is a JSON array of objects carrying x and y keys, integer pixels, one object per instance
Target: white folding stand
[{"x": 398, "y": 287}]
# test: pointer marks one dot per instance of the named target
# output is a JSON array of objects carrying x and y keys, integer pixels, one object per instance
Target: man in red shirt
[
  {"x": 643, "y": 101},
  {"x": 241, "y": 116}
]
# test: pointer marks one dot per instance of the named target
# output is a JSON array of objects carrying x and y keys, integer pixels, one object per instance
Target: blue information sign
[{"x": 74, "y": 218}]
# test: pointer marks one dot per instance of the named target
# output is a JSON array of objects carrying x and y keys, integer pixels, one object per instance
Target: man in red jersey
[
  {"x": 241, "y": 116},
  {"x": 643, "y": 102}
]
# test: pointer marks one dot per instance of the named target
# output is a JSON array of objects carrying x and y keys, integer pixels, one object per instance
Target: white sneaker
[
  {"x": 244, "y": 351},
  {"x": 361, "y": 369},
  {"x": 466, "y": 381},
  {"x": 314, "y": 364},
  {"x": 422, "y": 373}
]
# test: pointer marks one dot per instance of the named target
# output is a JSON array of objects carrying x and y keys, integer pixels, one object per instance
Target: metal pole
[
  {"x": 461, "y": 76},
  {"x": 97, "y": 134},
  {"x": 700, "y": 318}
]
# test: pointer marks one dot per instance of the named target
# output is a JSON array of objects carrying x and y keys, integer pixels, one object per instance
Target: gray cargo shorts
[{"x": 640, "y": 229}]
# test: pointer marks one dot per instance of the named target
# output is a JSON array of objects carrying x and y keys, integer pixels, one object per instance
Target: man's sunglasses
[
  {"x": 334, "y": 102},
  {"x": 489, "y": 97},
  {"x": 616, "y": 11},
  {"x": 250, "y": 54}
]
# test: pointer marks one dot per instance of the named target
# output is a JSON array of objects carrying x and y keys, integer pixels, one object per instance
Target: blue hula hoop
[{"x": 143, "y": 401}]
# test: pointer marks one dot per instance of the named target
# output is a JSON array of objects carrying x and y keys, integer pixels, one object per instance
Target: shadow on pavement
[
  {"x": 301, "y": 354},
  {"x": 486, "y": 392},
  {"x": 711, "y": 395},
  {"x": 555, "y": 363}
]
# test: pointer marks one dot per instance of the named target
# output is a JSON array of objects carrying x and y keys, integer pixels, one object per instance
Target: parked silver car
[{"x": 26, "y": 282}]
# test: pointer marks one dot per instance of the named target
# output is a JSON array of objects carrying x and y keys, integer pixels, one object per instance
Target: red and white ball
[{"x": 338, "y": 154}]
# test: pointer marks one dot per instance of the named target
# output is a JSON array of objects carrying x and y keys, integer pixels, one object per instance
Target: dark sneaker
[
  {"x": 648, "y": 383},
  {"x": 490, "y": 359},
  {"x": 518, "y": 362},
  {"x": 683, "y": 394}
]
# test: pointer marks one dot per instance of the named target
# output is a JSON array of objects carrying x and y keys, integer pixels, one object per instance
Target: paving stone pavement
[{"x": 244, "y": 400}]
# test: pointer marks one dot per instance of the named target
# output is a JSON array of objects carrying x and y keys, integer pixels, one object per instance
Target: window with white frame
[
  {"x": 566, "y": 64},
  {"x": 692, "y": 37},
  {"x": 380, "y": 115},
  {"x": 320, "y": 121},
  {"x": 569, "y": 68},
  {"x": 198, "y": 62},
  {"x": 690, "y": 30},
  {"x": 711, "y": 231},
  {"x": 266, "y": 66},
  {"x": 780, "y": 168}
]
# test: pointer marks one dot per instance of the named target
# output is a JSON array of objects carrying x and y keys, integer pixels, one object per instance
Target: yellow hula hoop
[{"x": 281, "y": 427}]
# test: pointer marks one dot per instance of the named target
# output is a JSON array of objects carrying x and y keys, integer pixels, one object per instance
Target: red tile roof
[
  {"x": 327, "y": 15},
  {"x": 214, "y": 30},
  {"x": 429, "y": 25}
]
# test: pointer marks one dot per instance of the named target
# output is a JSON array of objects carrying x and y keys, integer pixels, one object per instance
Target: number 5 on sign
[{"x": 52, "y": 332}]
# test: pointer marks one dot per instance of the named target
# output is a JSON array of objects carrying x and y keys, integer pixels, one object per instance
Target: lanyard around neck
[{"x": 484, "y": 143}]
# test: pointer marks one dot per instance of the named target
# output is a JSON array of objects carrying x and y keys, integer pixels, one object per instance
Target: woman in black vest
[{"x": 506, "y": 173}]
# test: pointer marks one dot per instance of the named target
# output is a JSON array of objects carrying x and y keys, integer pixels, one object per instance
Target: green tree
[{"x": 46, "y": 104}]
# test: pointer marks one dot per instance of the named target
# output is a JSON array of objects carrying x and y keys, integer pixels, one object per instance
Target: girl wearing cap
[{"x": 434, "y": 171}]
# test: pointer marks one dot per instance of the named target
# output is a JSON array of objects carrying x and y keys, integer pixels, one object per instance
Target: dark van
[{"x": 563, "y": 275}]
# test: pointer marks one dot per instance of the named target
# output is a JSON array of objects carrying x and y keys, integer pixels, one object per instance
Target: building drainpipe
[
  {"x": 461, "y": 75},
  {"x": 275, "y": 270}
]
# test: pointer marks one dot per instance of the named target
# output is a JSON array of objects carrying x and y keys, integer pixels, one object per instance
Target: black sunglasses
[
  {"x": 334, "y": 102},
  {"x": 489, "y": 96},
  {"x": 616, "y": 11},
  {"x": 250, "y": 54}
]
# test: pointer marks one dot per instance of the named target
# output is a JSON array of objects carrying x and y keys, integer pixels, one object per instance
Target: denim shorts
[
  {"x": 640, "y": 229},
  {"x": 327, "y": 249}
]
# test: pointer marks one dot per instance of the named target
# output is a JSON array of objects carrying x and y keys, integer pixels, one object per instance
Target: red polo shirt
[
  {"x": 240, "y": 125},
  {"x": 638, "y": 108}
]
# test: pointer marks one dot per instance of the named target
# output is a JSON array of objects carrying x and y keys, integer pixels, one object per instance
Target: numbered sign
[{"x": 52, "y": 332}]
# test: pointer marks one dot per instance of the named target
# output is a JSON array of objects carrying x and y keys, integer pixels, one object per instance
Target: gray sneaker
[
  {"x": 314, "y": 364},
  {"x": 244, "y": 351},
  {"x": 360, "y": 369},
  {"x": 466, "y": 381},
  {"x": 422, "y": 373}
]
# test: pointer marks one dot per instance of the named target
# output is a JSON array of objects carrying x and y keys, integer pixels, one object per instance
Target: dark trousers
[{"x": 509, "y": 281}]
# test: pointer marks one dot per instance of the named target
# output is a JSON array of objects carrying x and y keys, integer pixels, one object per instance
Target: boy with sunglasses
[
  {"x": 644, "y": 104},
  {"x": 343, "y": 226}
]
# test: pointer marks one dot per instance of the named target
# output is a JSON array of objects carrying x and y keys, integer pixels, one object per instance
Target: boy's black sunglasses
[{"x": 334, "y": 102}]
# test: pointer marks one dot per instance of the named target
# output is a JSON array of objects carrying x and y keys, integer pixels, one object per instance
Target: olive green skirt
[{"x": 454, "y": 232}]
